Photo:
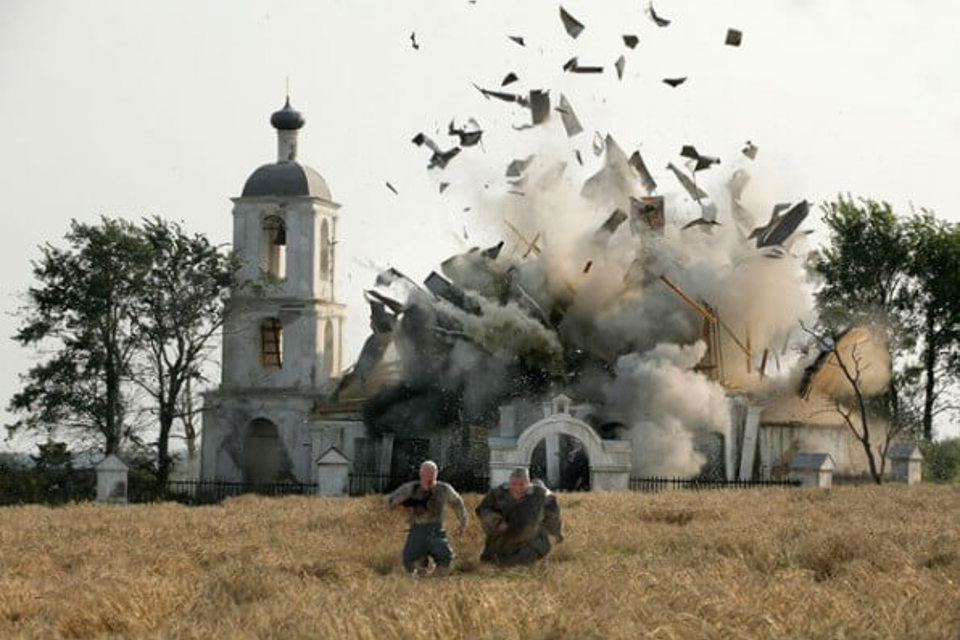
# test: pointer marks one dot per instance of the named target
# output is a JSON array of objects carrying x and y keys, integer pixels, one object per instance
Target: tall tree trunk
[{"x": 929, "y": 370}]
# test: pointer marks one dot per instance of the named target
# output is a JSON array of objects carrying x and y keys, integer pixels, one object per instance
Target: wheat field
[{"x": 852, "y": 562}]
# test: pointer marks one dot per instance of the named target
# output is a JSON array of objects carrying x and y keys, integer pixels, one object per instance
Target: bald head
[{"x": 428, "y": 474}]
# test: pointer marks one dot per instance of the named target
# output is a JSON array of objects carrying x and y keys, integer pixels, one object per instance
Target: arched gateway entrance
[{"x": 609, "y": 459}]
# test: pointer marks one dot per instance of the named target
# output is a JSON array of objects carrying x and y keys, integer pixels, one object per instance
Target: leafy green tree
[
  {"x": 123, "y": 308},
  {"x": 935, "y": 302},
  {"x": 81, "y": 314},
  {"x": 178, "y": 312}
]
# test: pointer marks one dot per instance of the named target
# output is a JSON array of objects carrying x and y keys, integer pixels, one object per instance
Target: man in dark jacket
[{"x": 517, "y": 516}]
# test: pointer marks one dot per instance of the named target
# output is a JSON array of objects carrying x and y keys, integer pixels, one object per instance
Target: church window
[
  {"x": 328, "y": 354},
  {"x": 324, "y": 250},
  {"x": 271, "y": 343},
  {"x": 274, "y": 244}
]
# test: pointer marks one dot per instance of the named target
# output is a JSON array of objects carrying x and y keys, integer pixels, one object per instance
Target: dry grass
[{"x": 861, "y": 562}]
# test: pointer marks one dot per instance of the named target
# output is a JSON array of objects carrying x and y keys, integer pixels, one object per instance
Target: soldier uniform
[
  {"x": 528, "y": 519},
  {"x": 427, "y": 537}
]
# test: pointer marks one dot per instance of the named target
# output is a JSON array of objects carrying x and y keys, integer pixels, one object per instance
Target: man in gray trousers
[{"x": 425, "y": 500}]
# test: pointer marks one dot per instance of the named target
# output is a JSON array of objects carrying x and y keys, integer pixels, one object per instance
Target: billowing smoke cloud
[{"x": 667, "y": 405}]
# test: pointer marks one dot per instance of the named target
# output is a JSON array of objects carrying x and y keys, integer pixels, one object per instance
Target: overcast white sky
[{"x": 131, "y": 108}]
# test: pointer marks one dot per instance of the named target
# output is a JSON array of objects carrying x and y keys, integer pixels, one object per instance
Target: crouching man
[
  {"x": 425, "y": 500},
  {"x": 517, "y": 517}
]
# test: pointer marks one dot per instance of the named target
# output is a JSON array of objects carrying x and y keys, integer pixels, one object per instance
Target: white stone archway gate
[{"x": 609, "y": 459}]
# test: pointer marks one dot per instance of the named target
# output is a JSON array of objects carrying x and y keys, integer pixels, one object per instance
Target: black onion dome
[{"x": 287, "y": 119}]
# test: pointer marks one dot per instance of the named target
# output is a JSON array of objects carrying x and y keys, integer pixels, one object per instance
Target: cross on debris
[{"x": 531, "y": 245}]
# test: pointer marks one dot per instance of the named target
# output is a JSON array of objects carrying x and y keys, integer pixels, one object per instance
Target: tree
[
  {"x": 935, "y": 301},
  {"x": 124, "y": 308},
  {"x": 853, "y": 353},
  {"x": 865, "y": 279},
  {"x": 83, "y": 308},
  {"x": 178, "y": 312}
]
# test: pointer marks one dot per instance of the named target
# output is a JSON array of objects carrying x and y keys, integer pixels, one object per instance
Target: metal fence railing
[
  {"x": 362, "y": 483},
  {"x": 655, "y": 484},
  {"x": 210, "y": 491}
]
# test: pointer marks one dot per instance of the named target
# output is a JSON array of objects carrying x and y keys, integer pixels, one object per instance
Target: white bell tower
[{"x": 284, "y": 231}]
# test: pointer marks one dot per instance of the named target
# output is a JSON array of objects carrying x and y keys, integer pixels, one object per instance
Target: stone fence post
[
  {"x": 333, "y": 473},
  {"x": 112, "y": 480}
]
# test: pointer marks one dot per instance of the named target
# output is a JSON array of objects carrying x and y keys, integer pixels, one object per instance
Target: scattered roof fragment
[
  {"x": 702, "y": 161},
  {"x": 507, "y": 79},
  {"x": 636, "y": 161},
  {"x": 516, "y": 168},
  {"x": 648, "y": 210},
  {"x": 539, "y": 105},
  {"x": 660, "y": 22},
  {"x": 749, "y": 150},
  {"x": 586, "y": 268},
  {"x": 518, "y": 40},
  {"x": 631, "y": 41},
  {"x": 675, "y": 82},
  {"x": 613, "y": 222},
  {"x": 469, "y": 135},
  {"x": 569, "y": 118},
  {"x": 781, "y": 227},
  {"x": 390, "y": 186},
  {"x": 734, "y": 37},
  {"x": 620, "y": 64},
  {"x": 499, "y": 95},
  {"x": 439, "y": 158},
  {"x": 708, "y": 216},
  {"x": 576, "y": 154},
  {"x": 573, "y": 26},
  {"x": 413, "y": 40},
  {"x": 573, "y": 66},
  {"x": 597, "y": 143},
  {"x": 443, "y": 186},
  {"x": 688, "y": 184},
  {"x": 494, "y": 251}
]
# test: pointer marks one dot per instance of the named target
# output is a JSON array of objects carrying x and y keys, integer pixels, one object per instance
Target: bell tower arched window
[
  {"x": 274, "y": 246},
  {"x": 328, "y": 353}
]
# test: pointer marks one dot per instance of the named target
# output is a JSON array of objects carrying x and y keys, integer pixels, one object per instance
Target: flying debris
[
  {"x": 576, "y": 154},
  {"x": 702, "y": 162},
  {"x": 573, "y": 66},
  {"x": 507, "y": 79},
  {"x": 597, "y": 143},
  {"x": 516, "y": 168},
  {"x": 620, "y": 64},
  {"x": 750, "y": 150},
  {"x": 675, "y": 82},
  {"x": 516, "y": 192},
  {"x": 494, "y": 251},
  {"x": 443, "y": 186},
  {"x": 612, "y": 223},
  {"x": 586, "y": 269},
  {"x": 631, "y": 41},
  {"x": 648, "y": 210},
  {"x": 615, "y": 181},
  {"x": 518, "y": 40},
  {"x": 439, "y": 158},
  {"x": 390, "y": 186},
  {"x": 689, "y": 185},
  {"x": 569, "y": 118},
  {"x": 539, "y": 105},
  {"x": 781, "y": 227},
  {"x": 469, "y": 135},
  {"x": 708, "y": 216},
  {"x": 499, "y": 95},
  {"x": 660, "y": 22},
  {"x": 734, "y": 37},
  {"x": 413, "y": 40},
  {"x": 572, "y": 25},
  {"x": 443, "y": 288},
  {"x": 636, "y": 161}
]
